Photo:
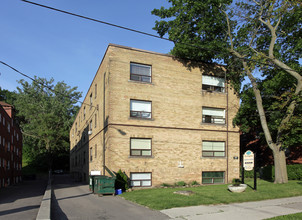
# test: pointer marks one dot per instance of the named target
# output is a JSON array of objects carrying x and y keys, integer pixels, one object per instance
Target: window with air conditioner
[
  {"x": 213, "y": 115},
  {"x": 213, "y": 83},
  {"x": 140, "y": 109}
]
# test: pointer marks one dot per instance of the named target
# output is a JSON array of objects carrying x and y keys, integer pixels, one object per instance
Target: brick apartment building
[
  {"x": 10, "y": 147},
  {"x": 157, "y": 120}
]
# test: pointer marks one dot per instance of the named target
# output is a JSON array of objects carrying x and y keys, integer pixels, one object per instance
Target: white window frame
[{"x": 141, "y": 179}]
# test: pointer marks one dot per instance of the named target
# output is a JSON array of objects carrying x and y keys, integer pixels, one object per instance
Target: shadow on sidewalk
[{"x": 56, "y": 211}]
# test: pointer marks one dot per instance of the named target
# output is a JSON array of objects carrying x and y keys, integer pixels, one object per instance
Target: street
[
  {"x": 74, "y": 201},
  {"x": 22, "y": 201}
]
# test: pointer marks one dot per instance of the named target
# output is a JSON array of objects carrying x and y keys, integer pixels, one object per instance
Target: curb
[{"x": 45, "y": 207}]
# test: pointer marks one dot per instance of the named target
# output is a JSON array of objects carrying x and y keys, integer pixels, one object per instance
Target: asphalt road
[
  {"x": 74, "y": 201},
  {"x": 22, "y": 201}
]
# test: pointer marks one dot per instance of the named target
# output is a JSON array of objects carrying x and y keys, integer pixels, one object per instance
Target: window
[
  {"x": 140, "y": 179},
  {"x": 90, "y": 153},
  {"x": 139, "y": 72},
  {"x": 140, "y": 109},
  {"x": 8, "y": 127},
  {"x": 213, "y": 115},
  {"x": 95, "y": 151},
  {"x": 8, "y": 146},
  {"x": 213, "y": 149},
  {"x": 212, "y": 83},
  {"x": 140, "y": 147},
  {"x": 95, "y": 121},
  {"x": 84, "y": 113},
  {"x": 95, "y": 90},
  {"x": 90, "y": 99},
  {"x": 90, "y": 125},
  {"x": 212, "y": 177}
]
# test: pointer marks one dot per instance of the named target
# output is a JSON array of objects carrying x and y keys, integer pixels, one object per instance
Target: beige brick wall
[{"x": 176, "y": 126}]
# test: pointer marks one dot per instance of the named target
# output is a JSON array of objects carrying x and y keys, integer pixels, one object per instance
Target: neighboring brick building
[
  {"x": 161, "y": 121},
  {"x": 10, "y": 147}
]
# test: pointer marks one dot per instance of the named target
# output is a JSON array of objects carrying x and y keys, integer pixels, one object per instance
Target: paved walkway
[
  {"x": 241, "y": 211},
  {"x": 74, "y": 201},
  {"x": 22, "y": 201}
]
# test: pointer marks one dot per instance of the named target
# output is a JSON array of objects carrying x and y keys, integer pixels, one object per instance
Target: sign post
[{"x": 249, "y": 163}]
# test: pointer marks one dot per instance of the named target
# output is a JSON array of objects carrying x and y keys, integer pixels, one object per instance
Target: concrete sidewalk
[{"x": 247, "y": 210}]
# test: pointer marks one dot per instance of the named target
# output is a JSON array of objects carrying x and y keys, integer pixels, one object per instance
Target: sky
[{"x": 40, "y": 42}]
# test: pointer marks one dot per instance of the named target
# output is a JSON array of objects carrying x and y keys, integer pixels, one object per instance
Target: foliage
[
  {"x": 122, "y": 181},
  {"x": 236, "y": 182},
  {"x": 180, "y": 183},
  {"x": 7, "y": 96},
  {"x": 166, "y": 185},
  {"x": 250, "y": 37},
  {"x": 194, "y": 183},
  {"x": 45, "y": 113},
  {"x": 165, "y": 198}
]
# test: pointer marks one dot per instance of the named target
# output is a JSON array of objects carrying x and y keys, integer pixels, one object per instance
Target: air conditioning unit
[{"x": 89, "y": 132}]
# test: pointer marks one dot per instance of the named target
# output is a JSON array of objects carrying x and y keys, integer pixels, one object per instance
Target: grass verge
[
  {"x": 287, "y": 217},
  {"x": 164, "y": 198}
]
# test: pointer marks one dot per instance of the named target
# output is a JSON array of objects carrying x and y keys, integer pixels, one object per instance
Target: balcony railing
[{"x": 140, "y": 114}]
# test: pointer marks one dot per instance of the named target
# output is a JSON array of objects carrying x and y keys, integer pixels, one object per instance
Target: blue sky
[{"x": 45, "y": 43}]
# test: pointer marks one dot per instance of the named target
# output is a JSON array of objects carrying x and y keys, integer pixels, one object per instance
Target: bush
[
  {"x": 180, "y": 183},
  {"x": 121, "y": 181},
  {"x": 294, "y": 171},
  {"x": 166, "y": 185},
  {"x": 194, "y": 183}
]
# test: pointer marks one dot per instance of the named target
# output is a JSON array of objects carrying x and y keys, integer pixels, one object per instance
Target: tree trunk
[{"x": 280, "y": 165}]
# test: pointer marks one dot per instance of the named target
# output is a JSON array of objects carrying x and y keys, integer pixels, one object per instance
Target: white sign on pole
[{"x": 248, "y": 160}]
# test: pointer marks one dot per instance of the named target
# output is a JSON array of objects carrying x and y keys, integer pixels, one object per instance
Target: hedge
[{"x": 294, "y": 172}]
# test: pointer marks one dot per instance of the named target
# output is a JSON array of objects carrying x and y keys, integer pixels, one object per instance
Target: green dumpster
[{"x": 104, "y": 184}]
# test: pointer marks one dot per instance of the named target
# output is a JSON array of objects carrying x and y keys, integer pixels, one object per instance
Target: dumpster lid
[{"x": 109, "y": 171}]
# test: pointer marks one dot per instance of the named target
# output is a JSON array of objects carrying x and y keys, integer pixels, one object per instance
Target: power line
[
  {"x": 145, "y": 33},
  {"x": 48, "y": 87}
]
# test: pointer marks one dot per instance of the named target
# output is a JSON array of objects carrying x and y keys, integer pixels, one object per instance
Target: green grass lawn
[
  {"x": 288, "y": 217},
  {"x": 164, "y": 198}
]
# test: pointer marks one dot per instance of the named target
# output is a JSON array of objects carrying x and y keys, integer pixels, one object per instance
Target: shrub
[
  {"x": 236, "y": 182},
  {"x": 166, "y": 185},
  {"x": 180, "y": 183},
  {"x": 294, "y": 171},
  {"x": 121, "y": 181},
  {"x": 194, "y": 183}
]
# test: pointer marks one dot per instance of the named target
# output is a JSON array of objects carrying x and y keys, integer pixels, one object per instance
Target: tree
[
  {"x": 253, "y": 36},
  {"x": 46, "y": 113}
]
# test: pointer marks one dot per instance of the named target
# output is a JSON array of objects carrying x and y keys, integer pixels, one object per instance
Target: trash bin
[{"x": 104, "y": 184}]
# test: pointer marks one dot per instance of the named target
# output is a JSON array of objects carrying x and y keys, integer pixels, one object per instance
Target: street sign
[{"x": 248, "y": 160}]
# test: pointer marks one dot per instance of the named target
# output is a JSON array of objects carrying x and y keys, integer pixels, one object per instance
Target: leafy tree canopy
[
  {"x": 45, "y": 112},
  {"x": 250, "y": 37}
]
